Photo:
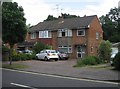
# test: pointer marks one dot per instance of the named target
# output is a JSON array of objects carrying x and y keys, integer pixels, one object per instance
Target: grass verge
[{"x": 14, "y": 66}]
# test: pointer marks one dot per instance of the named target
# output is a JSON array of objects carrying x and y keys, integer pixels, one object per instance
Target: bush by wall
[
  {"x": 22, "y": 57},
  {"x": 89, "y": 60},
  {"x": 117, "y": 61}
]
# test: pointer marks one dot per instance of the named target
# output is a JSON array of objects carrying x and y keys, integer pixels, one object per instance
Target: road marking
[
  {"x": 20, "y": 85},
  {"x": 57, "y": 76}
]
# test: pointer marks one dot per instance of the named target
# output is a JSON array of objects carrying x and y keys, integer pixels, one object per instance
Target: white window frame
[
  {"x": 33, "y": 35},
  {"x": 97, "y": 35},
  {"x": 69, "y": 49},
  {"x": 68, "y": 32},
  {"x": 83, "y": 32},
  {"x": 81, "y": 52},
  {"x": 45, "y": 34}
]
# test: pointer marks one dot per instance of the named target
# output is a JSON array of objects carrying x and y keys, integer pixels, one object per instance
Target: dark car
[{"x": 62, "y": 55}]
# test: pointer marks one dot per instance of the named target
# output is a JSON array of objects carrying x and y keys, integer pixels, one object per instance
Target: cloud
[
  {"x": 102, "y": 8},
  {"x": 36, "y": 11}
]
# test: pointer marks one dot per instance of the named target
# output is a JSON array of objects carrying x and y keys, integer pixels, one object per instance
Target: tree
[
  {"x": 50, "y": 18},
  {"x": 65, "y": 16},
  {"x": 13, "y": 24},
  {"x": 40, "y": 46},
  {"x": 104, "y": 51},
  {"x": 111, "y": 25}
]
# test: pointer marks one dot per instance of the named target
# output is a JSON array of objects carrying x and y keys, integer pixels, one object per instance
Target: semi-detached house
[{"x": 78, "y": 36}]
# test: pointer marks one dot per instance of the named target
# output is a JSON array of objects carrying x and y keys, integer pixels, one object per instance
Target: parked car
[
  {"x": 28, "y": 52},
  {"x": 47, "y": 55},
  {"x": 19, "y": 51},
  {"x": 62, "y": 55},
  {"x": 113, "y": 54}
]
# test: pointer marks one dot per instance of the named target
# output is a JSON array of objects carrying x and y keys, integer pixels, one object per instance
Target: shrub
[
  {"x": 104, "y": 51},
  {"x": 22, "y": 57},
  {"x": 89, "y": 60},
  {"x": 16, "y": 57},
  {"x": 5, "y": 53},
  {"x": 117, "y": 61},
  {"x": 40, "y": 46}
]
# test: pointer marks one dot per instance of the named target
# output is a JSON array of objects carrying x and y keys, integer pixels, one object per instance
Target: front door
[{"x": 80, "y": 51}]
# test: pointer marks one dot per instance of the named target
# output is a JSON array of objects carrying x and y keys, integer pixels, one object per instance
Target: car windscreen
[{"x": 52, "y": 51}]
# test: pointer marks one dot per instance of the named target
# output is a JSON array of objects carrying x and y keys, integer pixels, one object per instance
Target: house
[{"x": 78, "y": 36}]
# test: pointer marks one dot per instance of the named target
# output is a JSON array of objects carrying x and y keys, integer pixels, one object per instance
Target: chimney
[
  {"x": 61, "y": 19},
  {"x": 84, "y": 15}
]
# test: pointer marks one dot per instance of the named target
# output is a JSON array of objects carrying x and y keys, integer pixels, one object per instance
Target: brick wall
[{"x": 91, "y": 37}]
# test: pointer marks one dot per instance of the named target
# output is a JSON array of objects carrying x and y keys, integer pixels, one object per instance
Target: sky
[{"x": 38, "y": 10}]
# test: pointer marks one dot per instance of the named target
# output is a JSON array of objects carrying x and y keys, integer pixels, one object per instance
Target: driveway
[{"x": 65, "y": 68}]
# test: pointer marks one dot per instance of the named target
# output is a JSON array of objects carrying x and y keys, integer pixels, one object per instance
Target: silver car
[
  {"x": 47, "y": 55},
  {"x": 62, "y": 55}
]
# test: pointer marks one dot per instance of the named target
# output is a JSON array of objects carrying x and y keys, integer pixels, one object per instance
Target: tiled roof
[{"x": 71, "y": 23}]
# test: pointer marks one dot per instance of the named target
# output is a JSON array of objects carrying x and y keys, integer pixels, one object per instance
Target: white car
[
  {"x": 113, "y": 54},
  {"x": 47, "y": 55}
]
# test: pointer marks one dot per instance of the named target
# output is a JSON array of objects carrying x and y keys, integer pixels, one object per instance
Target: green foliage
[
  {"x": 14, "y": 66},
  {"x": 89, "y": 60},
  {"x": 65, "y": 16},
  {"x": 117, "y": 61},
  {"x": 21, "y": 56},
  {"x": 50, "y": 18},
  {"x": 104, "y": 51},
  {"x": 111, "y": 25},
  {"x": 5, "y": 49},
  {"x": 13, "y": 23},
  {"x": 5, "y": 53},
  {"x": 40, "y": 46}
]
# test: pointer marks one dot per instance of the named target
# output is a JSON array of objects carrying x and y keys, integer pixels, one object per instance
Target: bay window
[{"x": 44, "y": 34}]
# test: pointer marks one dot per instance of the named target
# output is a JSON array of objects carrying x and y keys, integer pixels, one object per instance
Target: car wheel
[
  {"x": 36, "y": 57},
  {"x": 46, "y": 59},
  {"x": 56, "y": 59}
]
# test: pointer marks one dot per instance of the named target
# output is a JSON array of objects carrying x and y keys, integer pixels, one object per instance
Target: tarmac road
[{"x": 30, "y": 80}]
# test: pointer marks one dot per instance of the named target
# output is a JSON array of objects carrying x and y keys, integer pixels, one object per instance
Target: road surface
[{"x": 30, "y": 80}]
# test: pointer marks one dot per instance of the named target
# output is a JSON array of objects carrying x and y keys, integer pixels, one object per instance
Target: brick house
[{"x": 77, "y": 36}]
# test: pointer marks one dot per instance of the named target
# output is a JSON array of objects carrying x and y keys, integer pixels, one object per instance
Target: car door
[
  {"x": 40, "y": 55},
  {"x": 43, "y": 54}
]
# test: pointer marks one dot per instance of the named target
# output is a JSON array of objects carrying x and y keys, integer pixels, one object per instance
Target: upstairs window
[
  {"x": 80, "y": 32},
  {"x": 64, "y": 32},
  {"x": 44, "y": 34},
  {"x": 33, "y": 35}
]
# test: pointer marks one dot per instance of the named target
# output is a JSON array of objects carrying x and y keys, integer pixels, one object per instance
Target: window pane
[
  {"x": 81, "y": 32},
  {"x": 97, "y": 35},
  {"x": 44, "y": 34},
  {"x": 63, "y": 33},
  {"x": 33, "y": 35}
]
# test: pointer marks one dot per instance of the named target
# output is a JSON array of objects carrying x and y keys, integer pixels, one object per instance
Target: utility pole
[
  {"x": 119, "y": 4},
  {"x": 57, "y": 8}
]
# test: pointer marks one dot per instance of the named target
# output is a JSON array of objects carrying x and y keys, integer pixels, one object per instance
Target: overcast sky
[{"x": 37, "y": 10}]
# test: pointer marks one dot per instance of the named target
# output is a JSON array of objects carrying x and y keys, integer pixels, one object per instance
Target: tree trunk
[{"x": 10, "y": 55}]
